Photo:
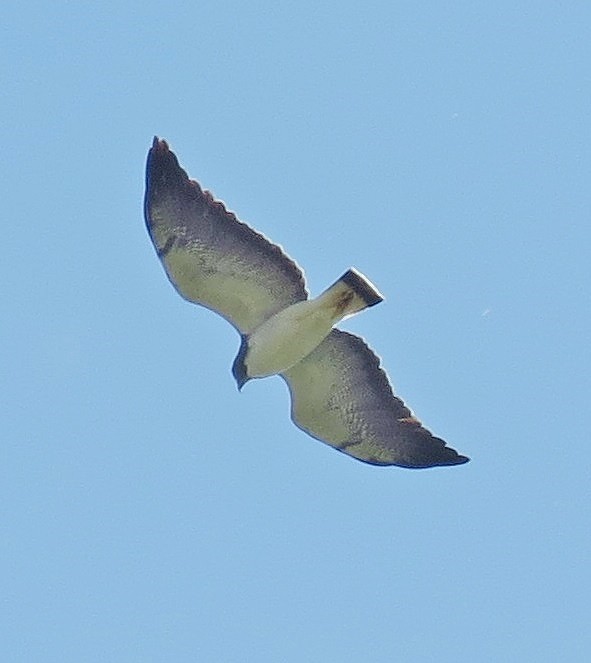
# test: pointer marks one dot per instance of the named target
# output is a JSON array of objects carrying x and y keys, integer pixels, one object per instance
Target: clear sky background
[{"x": 150, "y": 512}]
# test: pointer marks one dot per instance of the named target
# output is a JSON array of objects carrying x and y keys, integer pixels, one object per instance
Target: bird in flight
[{"x": 339, "y": 393}]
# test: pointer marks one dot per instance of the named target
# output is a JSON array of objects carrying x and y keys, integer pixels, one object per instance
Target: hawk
[{"x": 339, "y": 393}]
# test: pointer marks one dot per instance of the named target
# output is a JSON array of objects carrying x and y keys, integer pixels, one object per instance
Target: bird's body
[
  {"x": 291, "y": 334},
  {"x": 340, "y": 395},
  {"x": 272, "y": 348}
]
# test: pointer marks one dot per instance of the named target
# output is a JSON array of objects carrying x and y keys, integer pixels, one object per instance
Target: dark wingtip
[
  {"x": 162, "y": 168},
  {"x": 159, "y": 154},
  {"x": 445, "y": 457},
  {"x": 456, "y": 459},
  {"x": 160, "y": 144},
  {"x": 160, "y": 160},
  {"x": 424, "y": 449},
  {"x": 437, "y": 453},
  {"x": 159, "y": 147}
]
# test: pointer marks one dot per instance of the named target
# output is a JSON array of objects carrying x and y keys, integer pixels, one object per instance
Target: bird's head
[{"x": 239, "y": 366}]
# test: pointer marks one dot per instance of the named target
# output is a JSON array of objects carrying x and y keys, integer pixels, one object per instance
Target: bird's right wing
[
  {"x": 210, "y": 257},
  {"x": 341, "y": 396}
]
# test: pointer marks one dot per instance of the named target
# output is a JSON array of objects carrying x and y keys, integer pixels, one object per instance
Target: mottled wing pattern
[
  {"x": 211, "y": 257},
  {"x": 341, "y": 396}
]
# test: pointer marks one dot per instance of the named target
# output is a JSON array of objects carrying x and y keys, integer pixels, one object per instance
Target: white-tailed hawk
[{"x": 339, "y": 393}]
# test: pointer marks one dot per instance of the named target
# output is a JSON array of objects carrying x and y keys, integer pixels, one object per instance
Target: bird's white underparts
[
  {"x": 340, "y": 395},
  {"x": 291, "y": 334}
]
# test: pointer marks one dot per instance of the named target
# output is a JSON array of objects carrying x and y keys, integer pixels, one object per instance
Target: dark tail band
[{"x": 362, "y": 286}]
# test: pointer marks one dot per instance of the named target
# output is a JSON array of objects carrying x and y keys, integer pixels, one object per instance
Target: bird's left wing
[
  {"x": 210, "y": 257},
  {"x": 341, "y": 396}
]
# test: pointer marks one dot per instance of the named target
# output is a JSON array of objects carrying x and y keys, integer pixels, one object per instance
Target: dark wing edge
[
  {"x": 208, "y": 253},
  {"x": 342, "y": 396}
]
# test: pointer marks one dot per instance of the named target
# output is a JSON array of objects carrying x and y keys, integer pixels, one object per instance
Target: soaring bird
[{"x": 339, "y": 393}]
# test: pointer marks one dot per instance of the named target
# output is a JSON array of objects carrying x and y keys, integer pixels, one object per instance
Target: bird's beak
[{"x": 241, "y": 382}]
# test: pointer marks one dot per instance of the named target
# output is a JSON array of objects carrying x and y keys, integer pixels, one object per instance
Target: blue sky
[{"x": 149, "y": 512}]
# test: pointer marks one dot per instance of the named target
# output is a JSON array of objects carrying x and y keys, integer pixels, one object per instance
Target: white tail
[{"x": 352, "y": 293}]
